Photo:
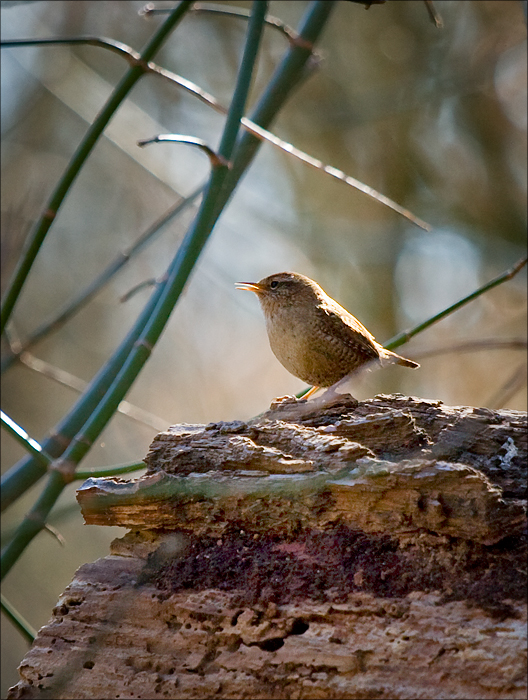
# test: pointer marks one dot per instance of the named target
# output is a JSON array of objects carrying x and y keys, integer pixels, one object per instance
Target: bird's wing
[{"x": 347, "y": 329}]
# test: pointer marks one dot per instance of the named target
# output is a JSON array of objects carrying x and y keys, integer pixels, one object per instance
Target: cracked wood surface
[{"x": 392, "y": 465}]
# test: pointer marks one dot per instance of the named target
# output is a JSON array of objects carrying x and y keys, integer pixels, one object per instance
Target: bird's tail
[
  {"x": 389, "y": 357},
  {"x": 405, "y": 362}
]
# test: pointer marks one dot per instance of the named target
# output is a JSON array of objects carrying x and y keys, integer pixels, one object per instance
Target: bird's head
[{"x": 284, "y": 289}]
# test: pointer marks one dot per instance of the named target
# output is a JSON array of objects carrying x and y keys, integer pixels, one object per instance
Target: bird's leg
[
  {"x": 292, "y": 408},
  {"x": 332, "y": 393},
  {"x": 310, "y": 392}
]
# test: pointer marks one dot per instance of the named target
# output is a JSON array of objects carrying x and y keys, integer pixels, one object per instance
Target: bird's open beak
[{"x": 249, "y": 286}]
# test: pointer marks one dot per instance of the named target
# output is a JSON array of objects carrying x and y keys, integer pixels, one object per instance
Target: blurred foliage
[{"x": 433, "y": 118}]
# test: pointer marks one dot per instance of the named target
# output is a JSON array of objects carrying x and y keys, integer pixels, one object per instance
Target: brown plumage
[{"x": 311, "y": 335}]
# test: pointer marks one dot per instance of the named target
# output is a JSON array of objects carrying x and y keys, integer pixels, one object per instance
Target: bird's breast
[{"x": 298, "y": 344}]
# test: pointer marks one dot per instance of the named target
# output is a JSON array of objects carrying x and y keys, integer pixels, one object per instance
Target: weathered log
[
  {"x": 372, "y": 549},
  {"x": 380, "y": 472},
  {"x": 109, "y": 638}
]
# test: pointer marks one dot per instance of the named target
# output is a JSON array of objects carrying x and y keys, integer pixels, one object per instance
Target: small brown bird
[{"x": 311, "y": 335}]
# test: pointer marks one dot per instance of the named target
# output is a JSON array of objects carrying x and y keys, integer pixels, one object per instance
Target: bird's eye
[{"x": 274, "y": 284}]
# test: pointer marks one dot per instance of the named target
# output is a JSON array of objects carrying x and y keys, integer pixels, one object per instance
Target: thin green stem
[
  {"x": 116, "y": 470},
  {"x": 188, "y": 253},
  {"x": 403, "y": 337},
  {"x": 152, "y": 327},
  {"x": 94, "y": 132},
  {"x": 22, "y": 475},
  {"x": 23, "y": 439},
  {"x": 33, "y": 522},
  {"x": 238, "y": 103},
  {"x": 291, "y": 69},
  {"x": 286, "y": 78},
  {"x": 22, "y": 625}
]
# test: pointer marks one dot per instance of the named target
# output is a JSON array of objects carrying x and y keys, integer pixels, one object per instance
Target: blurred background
[{"x": 433, "y": 118}]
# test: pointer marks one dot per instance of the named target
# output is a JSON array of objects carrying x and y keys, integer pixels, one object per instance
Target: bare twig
[
  {"x": 436, "y": 19},
  {"x": 333, "y": 172},
  {"x": 215, "y": 158},
  {"x": 238, "y": 12},
  {"x": 55, "y": 533},
  {"x": 70, "y": 380},
  {"x": 137, "y": 288},
  {"x": 18, "y": 620},
  {"x": 265, "y": 135},
  {"x": 128, "y": 53},
  {"x": 73, "y": 306},
  {"x": 251, "y": 127}
]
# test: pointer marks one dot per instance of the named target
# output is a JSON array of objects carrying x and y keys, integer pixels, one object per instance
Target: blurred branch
[
  {"x": 151, "y": 322},
  {"x": 253, "y": 128},
  {"x": 72, "y": 382},
  {"x": 132, "y": 56},
  {"x": 472, "y": 346},
  {"x": 119, "y": 262},
  {"x": 282, "y": 83},
  {"x": 90, "y": 139},
  {"x": 402, "y": 338},
  {"x": 514, "y": 384},
  {"x": 227, "y": 11},
  {"x": 25, "y": 629}
]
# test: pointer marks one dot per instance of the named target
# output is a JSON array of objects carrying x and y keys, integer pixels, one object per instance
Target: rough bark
[{"x": 351, "y": 550}]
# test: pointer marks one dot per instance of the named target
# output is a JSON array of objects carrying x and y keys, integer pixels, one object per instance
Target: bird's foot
[
  {"x": 286, "y": 400},
  {"x": 292, "y": 408},
  {"x": 330, "y": 397}
]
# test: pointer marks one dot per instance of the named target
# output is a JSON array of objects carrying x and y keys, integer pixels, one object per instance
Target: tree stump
[{"x": 373, "y": 549}]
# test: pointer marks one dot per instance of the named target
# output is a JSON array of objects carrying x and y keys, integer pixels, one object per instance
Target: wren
[{"x": 311, "y": 335}]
